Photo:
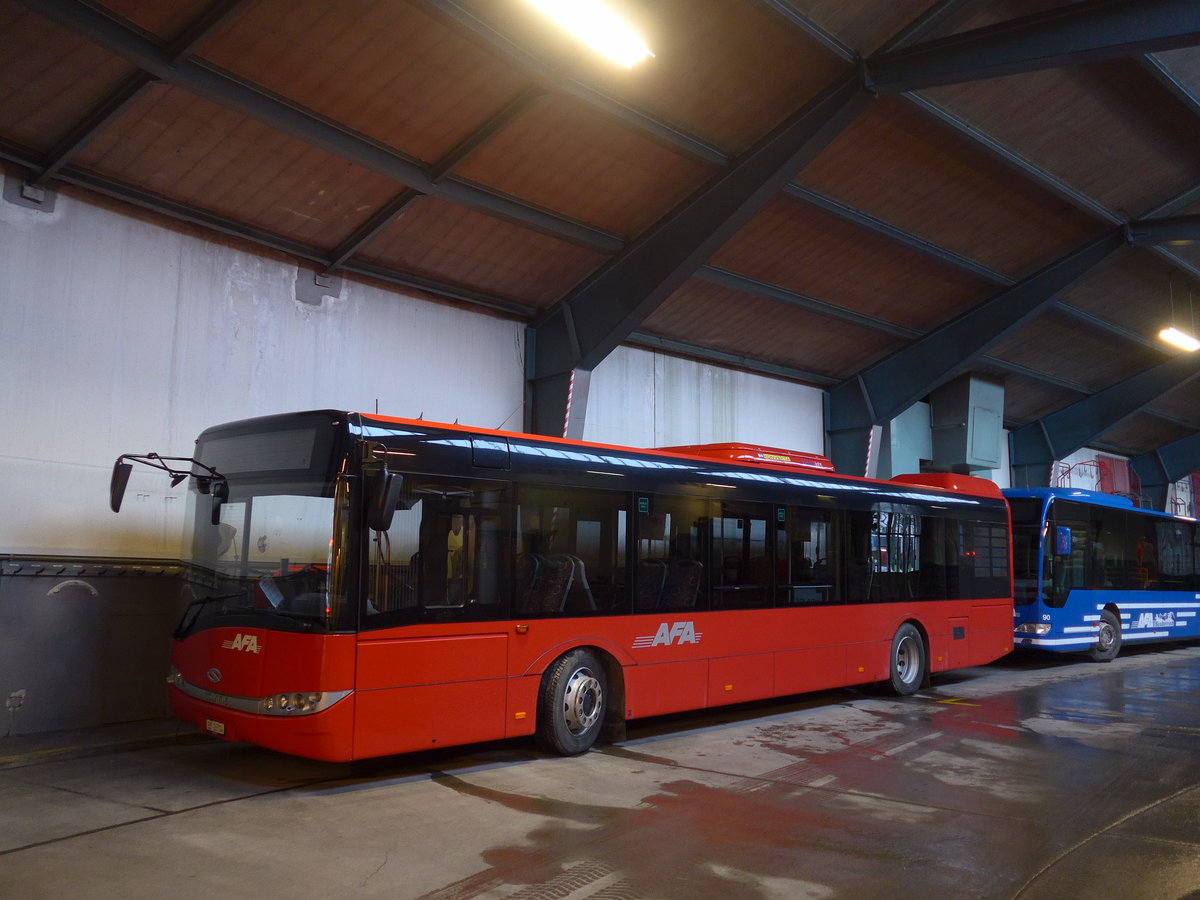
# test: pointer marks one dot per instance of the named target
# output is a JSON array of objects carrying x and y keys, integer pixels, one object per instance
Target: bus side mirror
[
  {"x": 116, "y": 486},
  {"x": 1062, "y": 540},
  {"x": 220, "y": 493},
  {"x": 383, "y": 493}
]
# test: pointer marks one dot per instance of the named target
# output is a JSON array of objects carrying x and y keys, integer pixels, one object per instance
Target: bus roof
[{"x": 1094, "y": 498}]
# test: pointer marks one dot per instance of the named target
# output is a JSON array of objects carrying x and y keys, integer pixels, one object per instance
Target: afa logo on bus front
[
  {"x": 247, "y": 642},
  {"x": 669, "y": 633}
]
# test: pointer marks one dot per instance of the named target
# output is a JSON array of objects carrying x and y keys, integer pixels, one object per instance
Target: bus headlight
[
  {"x": 299, "y": 703},
  {"x": 1033, "y": 628}
]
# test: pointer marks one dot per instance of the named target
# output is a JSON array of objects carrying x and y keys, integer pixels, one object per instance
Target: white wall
[
  {"x": 123, "y": 336},
  {"x": 640, "y": 398}
]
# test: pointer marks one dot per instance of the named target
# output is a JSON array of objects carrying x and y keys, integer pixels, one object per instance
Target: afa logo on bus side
[
  {"x": 670, "y": 633},
  {"x": 247, "y": 642}
]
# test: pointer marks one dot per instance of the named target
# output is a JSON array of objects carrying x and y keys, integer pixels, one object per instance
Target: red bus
[{"x": 362, "y": 586}]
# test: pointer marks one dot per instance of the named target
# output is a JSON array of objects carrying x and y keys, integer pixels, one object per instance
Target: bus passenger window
[
  {"x": 742, "y": 576},
  {"x": 571, "y": 552},
  {"x": 804, "y": 562},
  {"x": 443, "y": 557},
  {"x": 672, "y": 553}
]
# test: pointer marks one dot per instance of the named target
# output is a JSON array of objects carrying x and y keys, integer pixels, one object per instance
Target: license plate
[{"x": 212, "y": 726}]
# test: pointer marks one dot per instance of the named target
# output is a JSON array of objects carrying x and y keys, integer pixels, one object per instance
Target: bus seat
[
  {"x": 551, "y": 584},
  {"x": 652, "y": 574},
  {"x": 682, "y": 583},
  {"x": 581, "y": 582}
]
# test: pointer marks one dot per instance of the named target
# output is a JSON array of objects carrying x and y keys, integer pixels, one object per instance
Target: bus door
[{"x": 440, "y": 568}]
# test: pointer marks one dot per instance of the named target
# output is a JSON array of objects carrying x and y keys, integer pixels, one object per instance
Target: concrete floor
[{"x": 1035, "y": 778}]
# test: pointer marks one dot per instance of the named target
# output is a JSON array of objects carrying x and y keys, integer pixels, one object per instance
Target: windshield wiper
[{"x": 186, "y": 624}]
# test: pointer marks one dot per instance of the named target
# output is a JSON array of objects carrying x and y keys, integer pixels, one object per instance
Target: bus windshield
[
  {"x": 274, "y": 557},
  {"x": 1027, "y": 548},
  {"x": 270, "y": 561}
]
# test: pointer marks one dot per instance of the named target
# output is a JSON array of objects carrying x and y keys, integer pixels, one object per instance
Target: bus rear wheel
[
  {"x": 1108, "y": 637},
  {"x": 907, "y": 660},
  {"x": 572, "y": 703}
]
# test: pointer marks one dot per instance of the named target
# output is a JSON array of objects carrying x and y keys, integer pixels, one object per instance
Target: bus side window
[
  {"x": 742, "y": 576},
  {"x": 443, "y": 555},
  {"x": 571, "y": 553},
  {"x": 805, "y": 560},
  {"x": 673, "y": 552}
]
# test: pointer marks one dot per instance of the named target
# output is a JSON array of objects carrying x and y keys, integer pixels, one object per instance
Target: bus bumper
[{"x": 327, "y": 735}]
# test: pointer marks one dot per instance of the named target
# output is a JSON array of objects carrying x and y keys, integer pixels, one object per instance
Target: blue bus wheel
[{"x": 1108, "y": 637}]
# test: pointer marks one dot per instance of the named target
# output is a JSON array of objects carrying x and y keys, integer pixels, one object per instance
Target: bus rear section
[{"x": 1093, "y": 572}]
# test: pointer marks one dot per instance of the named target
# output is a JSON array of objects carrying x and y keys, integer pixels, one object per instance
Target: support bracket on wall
[
  {"x": 30, "y": 196},
  {"x": 312, "y": 287}
]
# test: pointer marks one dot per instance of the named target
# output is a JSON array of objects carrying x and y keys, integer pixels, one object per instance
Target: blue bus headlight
[{"x": 1033, "y": 628}]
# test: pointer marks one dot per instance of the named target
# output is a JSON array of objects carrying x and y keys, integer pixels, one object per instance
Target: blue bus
[{"x": 1092, "y": 571}]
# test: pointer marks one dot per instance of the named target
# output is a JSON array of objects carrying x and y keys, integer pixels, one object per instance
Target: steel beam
[
  {"x": 85, "y": 129},
  {"x": 1159, "y": 469},
  {"x": 584, "y": 327},
  {"x": 386, "y": 214},
  {"x": 1037, "y": 445},
  {"x": 1068, "y": 35},
  {"x": 117, "y": 101},
  {"x": 882, "y": 391},
  {"x": 1173, "y": 230},
  {"x": 1014, "y": 161},
  {"x": 898, "y": 235},
  {"x": 748, "y": 285}
]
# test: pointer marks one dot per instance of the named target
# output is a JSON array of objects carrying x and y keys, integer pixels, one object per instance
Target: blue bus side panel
[{"x": 1145, "y": 616}]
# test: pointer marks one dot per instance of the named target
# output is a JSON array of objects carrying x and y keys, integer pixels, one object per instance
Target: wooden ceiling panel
[
  {"x": 1027, "y": 399},
  {"x": 385, "y": 69},
  {"x": 49, "y": 78},
  {"x": 910, "y": 172},
  {"x": 197, "y": 153},
  {"x": 710, "y": 315},
  {"x": 1091, "y": 126},
  {"x": 563, "y": 156},
  {"x": 1064, "y": 348},
  {"x": 863, "y": 25},
  {"x": 1138, "y": 291},
  {"x": 448, "y": 243},
  {"x": 798, "y": 247},
  {"x": 164, "y": 20},
  {"x": 1141, "y": 433},
  {"x": 727, "y": 73},
  {"x": 1182, "y": 404}
]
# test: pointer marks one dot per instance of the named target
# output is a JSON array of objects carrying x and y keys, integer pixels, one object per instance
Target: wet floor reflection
[{"x": 1035, "y": 791}]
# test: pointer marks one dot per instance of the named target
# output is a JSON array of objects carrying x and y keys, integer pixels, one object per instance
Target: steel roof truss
[{"x": 1067, "y": 35}]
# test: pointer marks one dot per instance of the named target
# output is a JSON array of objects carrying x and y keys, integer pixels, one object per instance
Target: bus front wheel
[
  {"x": 1108, "y": 637},
  {"x": 907, "y": 660},
  {"x": 572, "y": 703}
]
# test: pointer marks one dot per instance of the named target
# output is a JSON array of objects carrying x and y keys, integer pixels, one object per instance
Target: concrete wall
[{"x": 644, "y": 399}]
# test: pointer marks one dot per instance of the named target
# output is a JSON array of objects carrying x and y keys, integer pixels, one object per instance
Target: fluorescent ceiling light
[
  {"x": 1179, "y": 339},
  {"x": 597, "y": 26}
]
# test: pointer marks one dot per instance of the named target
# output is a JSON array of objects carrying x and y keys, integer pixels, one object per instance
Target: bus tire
[
  {"x": 908, "y": 660},
  {"x": 572, "y": 703},
  {"x": 1108, "y": 637}
]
